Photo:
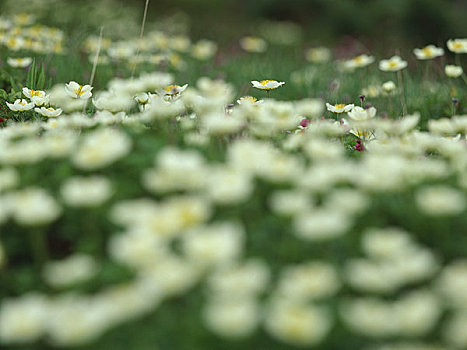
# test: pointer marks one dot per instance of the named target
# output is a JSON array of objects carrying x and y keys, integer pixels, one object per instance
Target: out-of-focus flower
[
  {"x": 174, "y": 90},
  {"x": 19, "y": 62},
  {"x": 453, "y": 71},
  {"x": 389, "y": 86},
  {"x": 86, "y": 191},
  {"x": 232, "y": 317},
  {"x": 34, "y": 206},
  {"x": 441, "y": 200},
  {"x": 297, "y": 323},
  {"x": 358, "y": 62},
  {"x": 318, "y": 55},
  {"x": 142, "y": 98},
  {"x": 253, "y": 44},
  {"x": 78, "y": 91},
  {"x": 24, "y": 19},
  {"x": 248, "y": 100},
  {"x": 20, "y": 105},
  {"x": 428, "y": 52},
  {"x": 48, "y": 112},
  {"x": 371, "y": 91},
  {"x": 204, "y": 49},
  {"x": 267, "y": 84},
  {"x": 339, "y": 107},
  {"x": 394, "y": 64},
  {"x": 359, "y": 113},
  {"x": 457, "y": 45},
  {"x": 74, "y": 269}
]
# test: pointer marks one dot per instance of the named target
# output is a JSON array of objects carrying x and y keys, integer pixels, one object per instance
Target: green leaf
[{"x": 40, "y": 80}]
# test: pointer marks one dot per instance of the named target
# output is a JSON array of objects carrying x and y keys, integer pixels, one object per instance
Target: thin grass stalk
[{"x": 140, "y": 38}]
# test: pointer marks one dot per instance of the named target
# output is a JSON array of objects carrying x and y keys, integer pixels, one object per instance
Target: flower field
[{"x": 159, "y": 191}]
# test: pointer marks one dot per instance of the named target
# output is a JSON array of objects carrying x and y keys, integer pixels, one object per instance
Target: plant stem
[
  {"x": 402, "y": 93},
  {"x": 140, "y": 38}
]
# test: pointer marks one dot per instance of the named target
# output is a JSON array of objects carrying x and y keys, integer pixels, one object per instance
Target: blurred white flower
[
  {"x": 19, "y": 62},
  {"x": 457, "y": 45},
  {"x": 394, "y": 64},
  {"x": 453, "y": 71},
  {"x": 440, "y": 200},
  {"x": 318, "y": 55},
  {"x": 428, "y": 52},
  {"x": 74, "y": 269},
  {"x": 86, "y": 191},
  {"x": 359, "y": 113},
  {"x": 253, "y": 44},
  {"x": 231, "y": 317},
  {"x": 358, "y": 62},
  {"x": 48, "y": 112}
]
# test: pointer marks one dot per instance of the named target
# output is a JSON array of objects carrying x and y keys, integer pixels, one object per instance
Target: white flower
[
  {"x": 453, "y": 71},
  {"x": 48, "y": 112},
  {"x": 359, "y": 113},
  {"x": 231, "y": 317},
  {"x": 267, "y": 84},
  {"x": 33, "y": 93},
  {"x": 174, "y": 90},
  {"x": 298, "y": 324},
  {"x": 20, "y": 105},
  {"x": 78, "y": 91},
  {"x": 318, "y": 54},
  {"x": 457, "y": 45},
  {"x": 22, "y": 319},
  {"x": 74, "y": 269},
  {"x": 339, "y": 108},
  {"x": 253, "y": 44},
  {"x": 428, "y": 52},
  {"x": 441, "y": 200},
  {"x": 34, "y": 206},
  {"x": 389, "y": 86},
  {"x": 358, "y": 62},
  {"x": 19, "y": 62},
  {"x": 217, "y": 244},
  {"x": 142, "y": 98},
  {"x": 204, "y": 49},
  {"x": 40, "y": 101},
  {"x": 101, "y": 148},
  {"x": 248, "y": 100},
  {"x": 86, "y": 191},
  {"x": 394, "y": 64},
  {"x": 308, "y": 281}
]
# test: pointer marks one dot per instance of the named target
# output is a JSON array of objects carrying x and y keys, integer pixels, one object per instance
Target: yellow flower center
[
  {"x": 35, "y": 93},
  {"x": 392, "y": 64},
  {"x": 172, "y": 89},
  {"x": 457, "y": 45},
  {"x": 264, "y": 82},
  {"x": 22, "y": 103},
  {"x": 427, "y": 51},
  {"x": 358, "y": 59},
  {"x": 339, "y": 105},
  {"x": 80, "y": 91},
  {"x": 249, "y": 99},
  {"x": 50, "y": 109}
]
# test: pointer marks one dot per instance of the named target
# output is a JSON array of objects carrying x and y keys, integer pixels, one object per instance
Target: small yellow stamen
[
  {"x": 264, "y": 82},
  {"x": 340, "y": 105}
]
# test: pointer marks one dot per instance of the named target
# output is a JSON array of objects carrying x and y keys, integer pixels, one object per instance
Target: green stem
[{"x": 402, "y": 93}]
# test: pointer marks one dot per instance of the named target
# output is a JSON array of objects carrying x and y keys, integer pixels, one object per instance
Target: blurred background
[{"x": 376, "y": 23}]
